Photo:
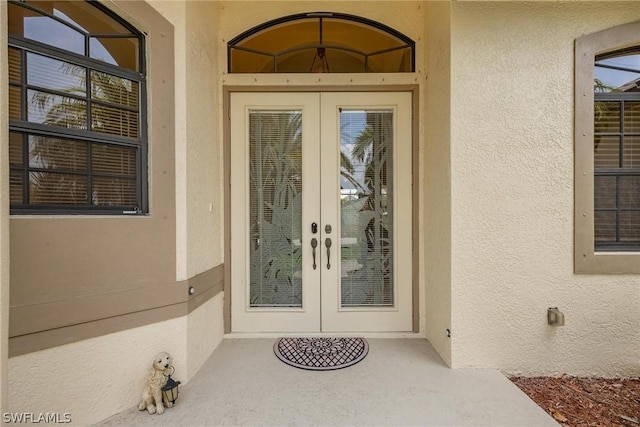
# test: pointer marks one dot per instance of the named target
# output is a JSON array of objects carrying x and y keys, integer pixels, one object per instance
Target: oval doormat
[{"x": 321, "y": 353}]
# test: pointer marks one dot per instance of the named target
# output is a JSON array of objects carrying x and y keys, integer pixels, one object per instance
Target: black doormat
[{"x": 321, "y": 353}]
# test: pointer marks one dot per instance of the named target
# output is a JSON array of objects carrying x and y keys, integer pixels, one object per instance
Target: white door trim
[{"x": 291, "y": 323}]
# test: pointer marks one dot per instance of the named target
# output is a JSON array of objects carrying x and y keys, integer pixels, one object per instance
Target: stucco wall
[
  {"x": 174, "y": 12},
  {"x": 512, "y": 197},
  {"x": 436, "y": 204},
  {"x": 199, "y": 161},
  {"x": 68, "y": 259},
  {"x": 95, "y": 378},
  {"x": 204, "y": 180},
  {"x": 205, "y": 330}
]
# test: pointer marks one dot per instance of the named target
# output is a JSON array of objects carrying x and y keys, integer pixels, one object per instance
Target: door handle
[
  {"x": 327, "y": 243},
  {"x": 314, "y": 245}
]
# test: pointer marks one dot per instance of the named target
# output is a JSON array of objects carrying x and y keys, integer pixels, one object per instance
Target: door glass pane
[
  {"x": 366, "y": 201},
  {"x": 275, "y": 204}
]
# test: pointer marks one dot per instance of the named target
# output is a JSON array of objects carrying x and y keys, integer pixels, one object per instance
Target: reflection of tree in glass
[
  {"x": 371, "y": 284},
  {"x": 65, "y": 160}
]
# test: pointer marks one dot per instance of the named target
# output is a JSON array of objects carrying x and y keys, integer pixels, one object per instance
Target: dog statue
[{"x": 152, "y": 397}]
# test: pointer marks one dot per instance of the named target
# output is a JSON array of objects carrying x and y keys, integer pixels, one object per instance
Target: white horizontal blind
[
  {"x": 76, "y": 112},
  {"x": 617, "y": 173},
  {"x": 275, "y": 203},
  {"x": 366, "y": 201}
]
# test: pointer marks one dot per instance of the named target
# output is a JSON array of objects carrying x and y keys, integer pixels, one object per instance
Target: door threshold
[{"x": 369, "y": 335}]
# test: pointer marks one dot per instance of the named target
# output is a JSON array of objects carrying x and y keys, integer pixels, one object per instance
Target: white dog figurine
[{"x": 152, "y": 398}]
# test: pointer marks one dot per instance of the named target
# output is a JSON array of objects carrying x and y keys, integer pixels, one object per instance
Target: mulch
[{"x": 574, "y": 401}]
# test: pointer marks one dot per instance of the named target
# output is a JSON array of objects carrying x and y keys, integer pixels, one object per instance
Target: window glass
[
  {"x": 115, "y": 90},
  {"x": 616, "y": 158},
  {"x": 15, "y": 148},
  {"x": 57, "y": 153},
  {"x": 15, "y": 65},
  {"x": 114, "y": 121},
  {"x": 49, "y": 73},
  {"x": 81, "y": 15},
  {"x": 119, "y": 51},
  {"x": 33, "y": 25},
  {"x": 56, "y": 110},
  {"x": 47, "y": 188},
  {"x": 15, "y": 103},
  {"x": 607, "y": 138},
  {"x": 618, "y": 73},
  {"x": 15, "y": 187},
  {"x": 323, "y": 43},
  {"x": 74, "y": 117}
]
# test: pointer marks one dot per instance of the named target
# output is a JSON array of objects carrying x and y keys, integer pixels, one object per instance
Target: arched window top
[
  {"x": 322, "y": 42},
  {"x": 83, "y": 28},
  {"x": 618, "y": 71}
]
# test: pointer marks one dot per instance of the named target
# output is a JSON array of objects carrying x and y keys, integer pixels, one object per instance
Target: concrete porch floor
[{"x": 401, "y": 382}]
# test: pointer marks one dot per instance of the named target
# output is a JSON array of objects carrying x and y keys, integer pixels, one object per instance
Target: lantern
[{"x": 170, "y": 389}]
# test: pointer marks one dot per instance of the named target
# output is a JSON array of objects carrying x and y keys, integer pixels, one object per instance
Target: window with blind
[
  {"x": 607, "y": 151},
  {"x": 77, "y": 134},
  {"x": 617, "y": 150}
]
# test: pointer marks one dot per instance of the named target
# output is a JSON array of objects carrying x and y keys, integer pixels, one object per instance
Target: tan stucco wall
[
  {"x": 436, "y": 204},
  {"x": 65, "y": 259},
  {"x": 197, "y": 236},
  {"x": 95, "y": 378},
  {"x": 205, "y": 330},
  {"x": 198, "y": 160},
  {"x": 4, "y": 215},
  {"x": 204, "y": 180},
  {"x": 506, "y": 145},
  {"x": 512, "y": 197}
]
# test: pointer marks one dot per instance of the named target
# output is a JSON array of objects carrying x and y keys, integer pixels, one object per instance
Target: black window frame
[
  {"x": 26, "y": 128},
  {"x": 620, "y": 171}
]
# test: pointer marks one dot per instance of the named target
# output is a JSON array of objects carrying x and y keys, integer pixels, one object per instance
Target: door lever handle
[
  {"x": 327, "y": 243},
  {"x": 314, "y": 245}
]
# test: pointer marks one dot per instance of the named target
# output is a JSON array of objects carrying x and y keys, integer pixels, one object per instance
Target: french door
[{"x": 321, "y": 212}]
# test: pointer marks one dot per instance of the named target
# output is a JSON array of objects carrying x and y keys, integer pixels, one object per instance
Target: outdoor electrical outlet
[{"x": 555, "y": 317}]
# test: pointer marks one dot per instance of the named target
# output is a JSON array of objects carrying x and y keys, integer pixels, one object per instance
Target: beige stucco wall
[
  {"x": 90, "y": 395},
  {"x": 496, "y": 206},
  {"x": 436, "y": 269},
  {"x": 4, "y": 215},
  {"x": 205, "y": 330},
  {"x": 512, "y": 197},
  {"x": 204, "y": 180},
  {"x": 95, "y": 378},
  {"x": 199, "y": 161}
]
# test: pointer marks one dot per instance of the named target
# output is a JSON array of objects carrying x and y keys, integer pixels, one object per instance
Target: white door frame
[{"x": 417, "y": 290}]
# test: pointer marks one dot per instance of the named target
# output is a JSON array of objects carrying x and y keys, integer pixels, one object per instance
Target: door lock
[{"x": 314, "y": 227}]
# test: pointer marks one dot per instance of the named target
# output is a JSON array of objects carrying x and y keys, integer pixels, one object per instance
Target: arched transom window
[{"x": 321, "y": 42}]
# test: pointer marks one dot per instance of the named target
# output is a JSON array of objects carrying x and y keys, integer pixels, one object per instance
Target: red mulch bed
[{"x": 575, "y": 401}]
